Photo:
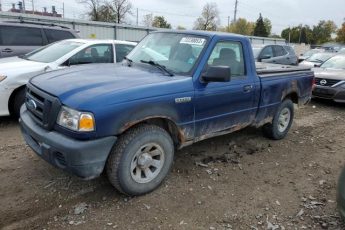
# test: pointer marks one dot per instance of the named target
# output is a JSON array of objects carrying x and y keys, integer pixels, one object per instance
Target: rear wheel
[
  {"x": 17, "y": 102},
  {"x": 281, "y": 122},
  {"x": 140, "y": 160}
]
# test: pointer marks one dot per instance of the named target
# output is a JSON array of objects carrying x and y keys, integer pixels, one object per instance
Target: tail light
[{"x": 313, "y": 83}]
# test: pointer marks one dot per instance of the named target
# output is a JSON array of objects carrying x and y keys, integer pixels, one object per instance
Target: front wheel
[
  {"x": 281, "y": 122},
  {"x": 140, "y": 160}
]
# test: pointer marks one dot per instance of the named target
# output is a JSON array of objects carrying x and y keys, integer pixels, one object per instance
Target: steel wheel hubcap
[
  {"x": 284, "y": 119},
  {"x": 147, "y": 163}
]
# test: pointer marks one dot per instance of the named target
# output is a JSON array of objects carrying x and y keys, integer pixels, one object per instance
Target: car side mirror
[
  {"x": 217, "y": 74},
  {"x": 266, "y": 56},
  {"x": 317, "y": 65}
]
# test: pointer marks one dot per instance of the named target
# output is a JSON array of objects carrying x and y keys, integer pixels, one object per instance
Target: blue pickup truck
[{"x": 173, "y": 89}]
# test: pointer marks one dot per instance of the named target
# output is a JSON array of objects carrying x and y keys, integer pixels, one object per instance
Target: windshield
[
  {"x": 311, "y": 52},
  {"x": 337, "y": 62},
  {"x": 320, "y": 57},
  {"x": 178, "y": 53},
  {"x": 52, "y": 52}
]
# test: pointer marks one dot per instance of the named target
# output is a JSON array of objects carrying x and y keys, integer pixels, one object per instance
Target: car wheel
[
  {"x": 281, "y": 122},
  {"x": 18, "y": 101},
  {"x": 140, "y": 160}
]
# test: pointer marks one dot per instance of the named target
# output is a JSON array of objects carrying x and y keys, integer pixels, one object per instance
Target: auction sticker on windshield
[{"x": 193, "y": 41}]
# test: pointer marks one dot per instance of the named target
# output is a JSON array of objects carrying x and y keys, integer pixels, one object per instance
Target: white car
[{"x": 15, "y": 72}]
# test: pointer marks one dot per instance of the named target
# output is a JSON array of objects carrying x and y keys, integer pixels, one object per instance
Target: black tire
[
  {"x": 18, "y": 101},
  {"x": 122, "y": 158},
  {"x": 272, "y": 130}
]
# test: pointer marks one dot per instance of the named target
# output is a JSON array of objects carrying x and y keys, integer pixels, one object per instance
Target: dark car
[
  {"x": 276, "y": 54},
  {"x": 330, "y": 79},
  {"x": 18, "y": 38},
  {"x": 341, "y": 194}
]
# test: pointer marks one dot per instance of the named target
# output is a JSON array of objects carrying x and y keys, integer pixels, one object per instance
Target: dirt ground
[{"x": 237, "y": 181}]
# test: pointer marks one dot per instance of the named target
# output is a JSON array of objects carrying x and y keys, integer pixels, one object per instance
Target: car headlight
[
  {"x": 2, "y": 77},
  {"x": 75, "y": 120}
]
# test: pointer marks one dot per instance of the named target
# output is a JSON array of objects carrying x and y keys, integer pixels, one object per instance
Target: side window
[
  {"x": 279, "y": 51},
  {"x": 267, "y": 52},
  {"x": 122, "y": 50},
  {"x": 57, "y": 35},
  {"x": 228, "y": 54},
  {"x": 21, "y": 36},
  {"x": 102, "y": 53}
]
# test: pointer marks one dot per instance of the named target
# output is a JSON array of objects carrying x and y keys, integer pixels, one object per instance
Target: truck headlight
[
  {"x": 2, "y": 77},
  {"x": 75, "y": 120}
]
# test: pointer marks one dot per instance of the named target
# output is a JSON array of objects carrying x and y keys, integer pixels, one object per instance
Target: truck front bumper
[{"x": 85, "y": 159}]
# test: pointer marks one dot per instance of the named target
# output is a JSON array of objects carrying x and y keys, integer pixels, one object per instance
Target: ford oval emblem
[
  {"x": 31, "y": 104},
  {"x": 323, "y": 82}
]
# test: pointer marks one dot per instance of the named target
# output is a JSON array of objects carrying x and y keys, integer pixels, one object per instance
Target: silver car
[
  {"x": 18, "y": 38},
  {"x": 276, "y": 54}
]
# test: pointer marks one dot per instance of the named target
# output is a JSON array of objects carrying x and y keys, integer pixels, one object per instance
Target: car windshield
[
  {"x": 177, "y": 53},
  {"x": 311, "y": 52},
  {"x": 52, "y": 52},
  {"x": 320, "y": 57},
  {"x": 337, "y": 62}
]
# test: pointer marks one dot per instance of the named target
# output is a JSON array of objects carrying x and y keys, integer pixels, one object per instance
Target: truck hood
[
  {"x": 109, "y": 83},
  {"x": 336, "y": 74}
]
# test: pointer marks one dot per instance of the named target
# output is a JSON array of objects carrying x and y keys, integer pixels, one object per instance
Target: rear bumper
[
  {"x": 85, "y": 159},
  {"x": 336, "y": 94},
  {"x": 341, "y": 194}
]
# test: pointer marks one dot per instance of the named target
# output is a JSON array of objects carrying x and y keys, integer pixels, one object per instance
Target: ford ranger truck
[{"x": 173, "y": 89}]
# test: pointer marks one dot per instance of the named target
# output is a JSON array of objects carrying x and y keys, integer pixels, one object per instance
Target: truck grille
[
  {"x": 326, "y": 82},
  {"x": 43, "y": 107}
]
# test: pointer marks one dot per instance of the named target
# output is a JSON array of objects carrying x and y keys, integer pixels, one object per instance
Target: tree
[
  {"x": 241, "y": 26},
  {"x": 106, "y": 13},
  {"x": 180, "y": 27},
  {"x": 121, "y": 9},
  {"x": 322, "y": 32},
  {"x": 341, "y": 34},
  {"x": 94, "y": 9},
  {"x": 209, "y": 19},
  {"x": 268, "y": 25},
  {"x": 160, "y": 22},
  {"x": 260, "y": 29},
  {"x": 147, "y": 20},
  {"x": 298, "y": 34}
]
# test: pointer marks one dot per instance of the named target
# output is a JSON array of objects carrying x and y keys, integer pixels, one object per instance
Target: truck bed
[{"x": 268, "y": 69}]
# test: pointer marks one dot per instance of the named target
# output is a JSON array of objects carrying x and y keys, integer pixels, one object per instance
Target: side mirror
[
  {"x": 217, "y": 74},
  {"x": 267, "y": 56},
  {"x": 317, "y": 65}
]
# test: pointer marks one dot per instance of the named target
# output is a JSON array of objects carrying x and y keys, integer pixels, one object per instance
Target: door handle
[
  {"x": 247, "y": 88},
  {"x": 7, "y": 50}
]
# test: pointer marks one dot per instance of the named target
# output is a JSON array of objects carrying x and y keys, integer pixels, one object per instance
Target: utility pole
[
  {"x": 235, "y": 11},
  {"x": 33, "y": 6},
  {"x": 137, "y": 16},
  {"x": 24, "y": 6},
  {"x": 63, "y": 9},
  {"x": 228, "y": 24}
]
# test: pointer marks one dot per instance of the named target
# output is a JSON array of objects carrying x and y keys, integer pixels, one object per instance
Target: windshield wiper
[
  {"x": 159, "y": 66},
  {"x": 317, "y": 60}
]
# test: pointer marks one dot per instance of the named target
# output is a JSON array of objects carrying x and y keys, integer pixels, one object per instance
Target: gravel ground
[{"x": 237, "y": 181}]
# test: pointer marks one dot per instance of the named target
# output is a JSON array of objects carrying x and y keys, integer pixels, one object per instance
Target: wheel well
[
  {"x": 169, "y": 126},
  {"x": 12, "y": 97},
  {"x": 293, "y": 97}
]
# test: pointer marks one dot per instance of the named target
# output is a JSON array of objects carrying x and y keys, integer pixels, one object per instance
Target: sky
[{"x": 283, "y": 13}]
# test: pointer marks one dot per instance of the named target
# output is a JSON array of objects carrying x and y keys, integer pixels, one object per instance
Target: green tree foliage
[
  {"x": 160, "y": 22},
  {"x": 209, "y": 19},
  {"x": 341, "y": 34},
  {"x": 260, "y": 29},
  {"x": 241, "y": 26},
  {"x": 320, "y": 33},
  {"x": 268, "y": 25}
]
